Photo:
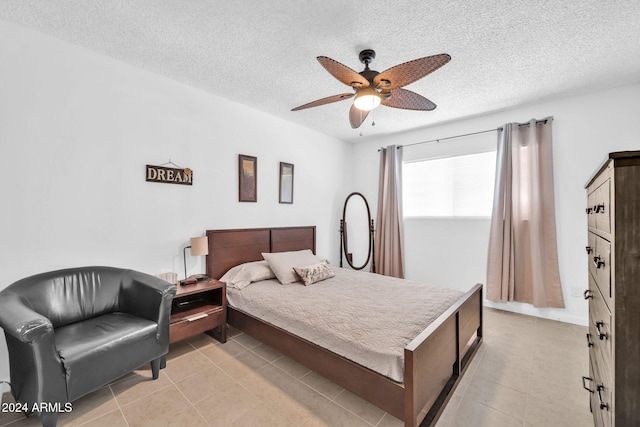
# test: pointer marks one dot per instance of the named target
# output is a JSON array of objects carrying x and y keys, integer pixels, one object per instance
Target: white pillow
[
  {"x": 282, "y": 263},
  {"x": 243, "y": 275}
]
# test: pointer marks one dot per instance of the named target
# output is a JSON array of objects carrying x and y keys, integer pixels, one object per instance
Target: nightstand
[{"x": 197, "y": 308}]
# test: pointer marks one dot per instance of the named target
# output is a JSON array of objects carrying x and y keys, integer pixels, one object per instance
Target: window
[{"x": 460, "y": 186}]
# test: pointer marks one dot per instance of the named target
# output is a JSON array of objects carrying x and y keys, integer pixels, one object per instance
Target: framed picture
[
  {"x": 247, "y": 178},
  {"x": 286, "y": 183}
]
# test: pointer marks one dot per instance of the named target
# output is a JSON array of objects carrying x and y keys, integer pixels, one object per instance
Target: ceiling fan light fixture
[
  {"x": 367, "y": 99},
  {"x": 372, "y": 89}
]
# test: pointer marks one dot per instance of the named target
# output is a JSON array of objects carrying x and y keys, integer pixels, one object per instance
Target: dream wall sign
[{"x": 169, "y": 175}]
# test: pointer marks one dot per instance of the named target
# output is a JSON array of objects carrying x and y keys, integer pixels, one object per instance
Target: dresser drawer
[
  {"x": 599, "y": 204},
  {"x": 601, "y": 403},
  {"x": 600, "y": 333},
  {"x": 601, "y": 209},
  {"x": 591, "y": 202},
  {"x": 590, "y": 384},
  {"x": 591, "y": 252},
  {"x": 600, "y": 266}
]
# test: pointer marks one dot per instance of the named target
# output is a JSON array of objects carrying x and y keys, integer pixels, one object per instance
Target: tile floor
[{"x": 527, "y": 373}]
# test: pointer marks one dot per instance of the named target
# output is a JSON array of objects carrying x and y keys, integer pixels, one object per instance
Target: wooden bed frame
[{"x": 433, "y": 362}]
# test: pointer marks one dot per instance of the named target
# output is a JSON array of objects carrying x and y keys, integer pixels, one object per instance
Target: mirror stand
[{"x": 344, "y": 247}]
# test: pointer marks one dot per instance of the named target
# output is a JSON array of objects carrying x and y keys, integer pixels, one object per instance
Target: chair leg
[
  {"x": 49, "y": 419},
  {"x": 163, "y": 361},
  {"x": 155, "y": 367}
]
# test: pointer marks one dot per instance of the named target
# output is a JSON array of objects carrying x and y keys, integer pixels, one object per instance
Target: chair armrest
[
  {"x": 148, "y": 297},
  {"x": 37, "y": 374},
  {"x": 20, "y": 321}
]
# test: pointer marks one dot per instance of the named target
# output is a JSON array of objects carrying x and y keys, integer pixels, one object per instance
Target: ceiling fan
[{"x": 372, "y": 88}]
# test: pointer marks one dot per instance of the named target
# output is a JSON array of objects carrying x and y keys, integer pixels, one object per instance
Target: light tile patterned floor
[{"x": 527, "y": 373}]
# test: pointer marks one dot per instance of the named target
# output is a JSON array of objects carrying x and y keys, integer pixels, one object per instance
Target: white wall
[
  {"x": 78, "y": 128},
  {"x": 430, "y": 242},
  {"x": 585, "y": 129}
]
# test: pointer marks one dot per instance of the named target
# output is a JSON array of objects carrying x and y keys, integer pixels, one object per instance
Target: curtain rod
[{"x": 545, "y": 120}]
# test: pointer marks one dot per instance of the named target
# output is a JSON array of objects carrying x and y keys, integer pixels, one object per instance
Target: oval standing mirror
[{"x": 356, "y": 232}]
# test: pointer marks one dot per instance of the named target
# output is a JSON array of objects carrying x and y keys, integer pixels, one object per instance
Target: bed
[{"x": 434, "y": 361}]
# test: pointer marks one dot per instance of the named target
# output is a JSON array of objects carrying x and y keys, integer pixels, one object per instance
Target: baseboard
[
  {"x": 4, "y": 388},
  {"x": 544, "y": 313}
]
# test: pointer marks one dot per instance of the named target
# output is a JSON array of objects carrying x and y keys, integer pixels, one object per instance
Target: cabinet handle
[
  {"x": 588, "y": 294},
  {"x": 599, "y": 208},
  {"x": 601, "y": 335},
  {"x": 197, "y": 317},
  {"x": 598, "y": 262},
  {"x": 584, "y": 385},
  {"x": 589, "y": 249},
  {"x": 602, "y": 404},
  {"x": 589, "y": 342},
  {"x": 588, "y": 210}
]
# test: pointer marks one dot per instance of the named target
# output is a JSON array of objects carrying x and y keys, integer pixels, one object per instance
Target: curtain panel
[
  {"x": 523, "y": 257},
  {"x": 389, "y": 234}
]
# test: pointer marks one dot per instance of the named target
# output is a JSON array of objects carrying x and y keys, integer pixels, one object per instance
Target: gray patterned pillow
[{"x": 314, "y": 273}]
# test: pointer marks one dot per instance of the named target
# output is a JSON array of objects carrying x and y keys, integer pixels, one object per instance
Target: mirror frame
[{"x": 343, "y": 235}]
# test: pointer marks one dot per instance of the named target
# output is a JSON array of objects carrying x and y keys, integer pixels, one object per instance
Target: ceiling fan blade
[
  {"x": 356, "y": 117},
  {"x": 343, "y": 73},
  {"x": 402, "y": 98},
  {"x": 409, "y": 72},
  {"x": 327, "y": 100}
]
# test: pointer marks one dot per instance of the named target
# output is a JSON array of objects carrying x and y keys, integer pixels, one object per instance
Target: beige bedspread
[{"x": 365, "y": 317}]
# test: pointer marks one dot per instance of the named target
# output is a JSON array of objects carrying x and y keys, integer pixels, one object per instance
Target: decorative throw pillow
[
  {"x": 282, "y": 263},
  {"x": 243, "y": 275},
  {"x": 314, "y": 273}
]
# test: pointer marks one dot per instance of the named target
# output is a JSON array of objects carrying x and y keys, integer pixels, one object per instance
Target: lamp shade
[
  {"x": 199, "y": 245},
  {"x": 367, "y": 99}
]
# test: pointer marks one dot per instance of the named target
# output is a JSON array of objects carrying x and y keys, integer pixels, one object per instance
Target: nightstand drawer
[{"x": 197, "y": 323}]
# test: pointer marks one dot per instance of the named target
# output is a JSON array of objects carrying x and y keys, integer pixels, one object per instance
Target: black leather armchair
[{"x": 69, "y": 332}]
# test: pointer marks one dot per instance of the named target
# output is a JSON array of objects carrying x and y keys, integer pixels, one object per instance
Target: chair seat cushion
[{"x": 98, "y": 350}]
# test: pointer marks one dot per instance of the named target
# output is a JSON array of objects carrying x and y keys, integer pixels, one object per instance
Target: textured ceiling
[{"x": 262, "y": 53}]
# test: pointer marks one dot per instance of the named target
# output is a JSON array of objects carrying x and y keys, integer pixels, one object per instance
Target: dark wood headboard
[{"x": 228, "y": 248}]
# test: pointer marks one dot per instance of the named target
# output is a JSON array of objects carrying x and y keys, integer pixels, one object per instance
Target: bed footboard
[{"x": 436, "y": 359}]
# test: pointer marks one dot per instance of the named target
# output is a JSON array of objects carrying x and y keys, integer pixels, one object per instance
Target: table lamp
[{"x": 199, "y": 246}]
